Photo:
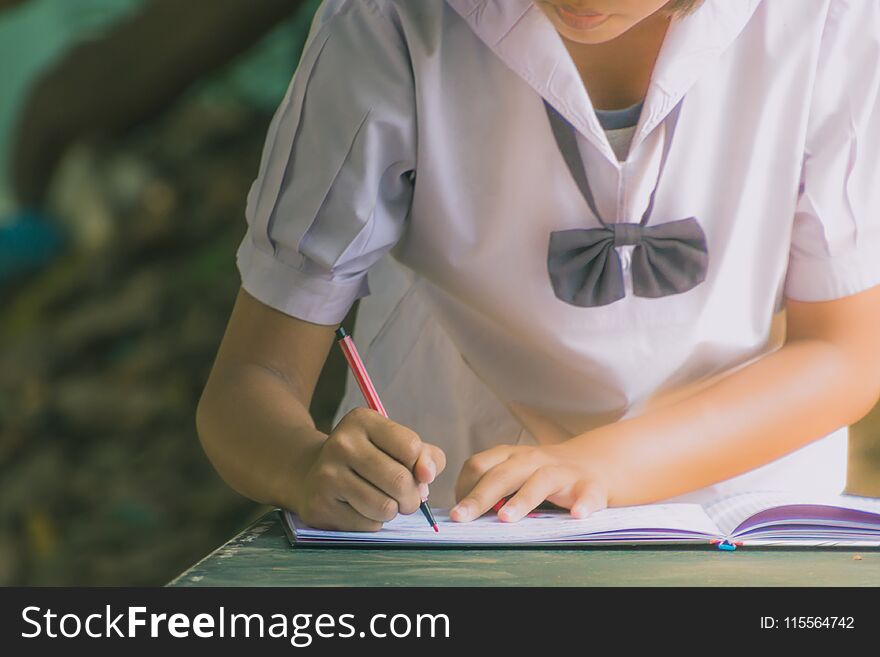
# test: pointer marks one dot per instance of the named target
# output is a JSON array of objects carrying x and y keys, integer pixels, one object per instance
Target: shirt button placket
[
  {"x": 624, "y": 252},
  {"x": 625, "y": 258}
]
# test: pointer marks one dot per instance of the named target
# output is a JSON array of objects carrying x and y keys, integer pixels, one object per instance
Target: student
[{"x": 554, "y": 311}]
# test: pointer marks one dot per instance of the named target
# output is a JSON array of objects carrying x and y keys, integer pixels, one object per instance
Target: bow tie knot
[{"x": 626, "y": 234}]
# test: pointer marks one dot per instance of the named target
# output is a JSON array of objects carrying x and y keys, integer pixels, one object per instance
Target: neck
[{"x": 617, "y": 73}]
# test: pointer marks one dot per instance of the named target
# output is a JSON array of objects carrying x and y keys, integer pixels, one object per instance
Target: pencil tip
[{"x": 436, "y": 529}]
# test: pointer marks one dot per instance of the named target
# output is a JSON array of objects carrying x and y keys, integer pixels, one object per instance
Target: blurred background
[{"x": 130, "y": 132}]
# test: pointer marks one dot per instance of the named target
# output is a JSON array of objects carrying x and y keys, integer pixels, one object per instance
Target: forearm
[
  {"x": 258, "y": 433},
  {"x": 761, "y": 412}
]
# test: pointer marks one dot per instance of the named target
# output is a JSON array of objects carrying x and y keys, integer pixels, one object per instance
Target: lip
[{"x": 583, "y": 20}]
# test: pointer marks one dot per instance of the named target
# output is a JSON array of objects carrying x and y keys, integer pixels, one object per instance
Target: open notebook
[{"x": 759, "y": 519}]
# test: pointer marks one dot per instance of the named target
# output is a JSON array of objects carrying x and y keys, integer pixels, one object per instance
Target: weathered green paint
[{"x": 262, "y": 556}]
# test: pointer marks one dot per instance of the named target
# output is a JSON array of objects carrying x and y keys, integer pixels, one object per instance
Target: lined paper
[
  {"x": 761, "y": 518},
  {"x": 652, "y": 523},
  {"x": 776, "y": 515}
]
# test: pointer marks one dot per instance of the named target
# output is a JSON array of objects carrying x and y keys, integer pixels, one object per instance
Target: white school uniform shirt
[{"x": 411, "y": 165}]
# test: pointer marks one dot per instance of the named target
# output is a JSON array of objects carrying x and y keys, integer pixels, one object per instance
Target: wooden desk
[{"x": 262, "y": 556}]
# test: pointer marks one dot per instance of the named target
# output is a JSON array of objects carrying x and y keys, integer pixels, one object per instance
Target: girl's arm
[
  {"x": 826, "y": 375},
  {"x": 253, "y": 419},
  {"x": 254, "y": 424}
]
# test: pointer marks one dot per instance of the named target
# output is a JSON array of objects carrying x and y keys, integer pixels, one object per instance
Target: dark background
[{"x": 130, "y": 132}]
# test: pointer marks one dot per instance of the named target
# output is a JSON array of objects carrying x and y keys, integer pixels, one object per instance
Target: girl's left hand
[{"x": 535, "y": 474}]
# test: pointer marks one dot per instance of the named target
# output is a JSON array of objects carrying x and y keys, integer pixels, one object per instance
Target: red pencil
[{"x": 368, "y": 390}]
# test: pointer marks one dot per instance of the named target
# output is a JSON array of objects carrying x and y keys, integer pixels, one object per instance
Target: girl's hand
[
  {"x": 367, "y": 471},
  {"x": 535, "y": 474}
]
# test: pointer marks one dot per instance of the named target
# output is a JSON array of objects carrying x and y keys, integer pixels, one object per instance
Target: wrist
[
  {"x": 290, "y": 486},
  {"x": 594, "y": 453}
]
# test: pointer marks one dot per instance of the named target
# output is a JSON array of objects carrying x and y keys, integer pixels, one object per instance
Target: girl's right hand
[{"x": 368, "y": 470}]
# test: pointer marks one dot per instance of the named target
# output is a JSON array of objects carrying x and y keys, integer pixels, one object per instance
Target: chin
[
  {"x": 606, "y": 31},
  {"x": 599, "y": 34}
]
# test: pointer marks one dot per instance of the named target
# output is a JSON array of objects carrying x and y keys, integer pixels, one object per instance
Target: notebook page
[
  {"x": 731, "y": 512},
  {"x": 650, "y": 522}
]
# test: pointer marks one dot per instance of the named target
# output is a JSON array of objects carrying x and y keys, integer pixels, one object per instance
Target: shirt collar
[{"x": 521, "y": 35}]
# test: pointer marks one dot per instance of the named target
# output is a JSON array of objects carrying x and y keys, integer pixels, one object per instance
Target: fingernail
[
  {"x": 423, "y": 491},
  {"x": 507, "y": 512},
  {"x": 432, "y": 469},
  {"x": 462, "y": 511}
]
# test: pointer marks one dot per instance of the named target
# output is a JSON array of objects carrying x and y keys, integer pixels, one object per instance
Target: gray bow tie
[{"x": 583, "y": 263}]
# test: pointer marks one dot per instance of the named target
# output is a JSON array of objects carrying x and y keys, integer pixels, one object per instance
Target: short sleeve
[
  {"x": 835, "y": 245},
  {"x": 336, "y": 176}
]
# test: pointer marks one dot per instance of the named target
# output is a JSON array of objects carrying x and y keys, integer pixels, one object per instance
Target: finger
[
  {"x": 439, "y": 458},
  {"x": 478, "y": 465},
  {"x": 337, "y": 515},
  {"x": 388, "y": 475},
  {"x": 541, "y": 485},
  {"x": 501, "y": 480},
  {"x": 347, "y": 519},
  {"x": 588, "y": 498},
  {"x": 366, "y": 499},
  {"x": 399, "y": 442},
  {"x": 430, "y": 463}
]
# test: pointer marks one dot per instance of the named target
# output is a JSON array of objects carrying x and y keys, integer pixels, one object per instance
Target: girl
[{"x": 582, "y": 222}]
